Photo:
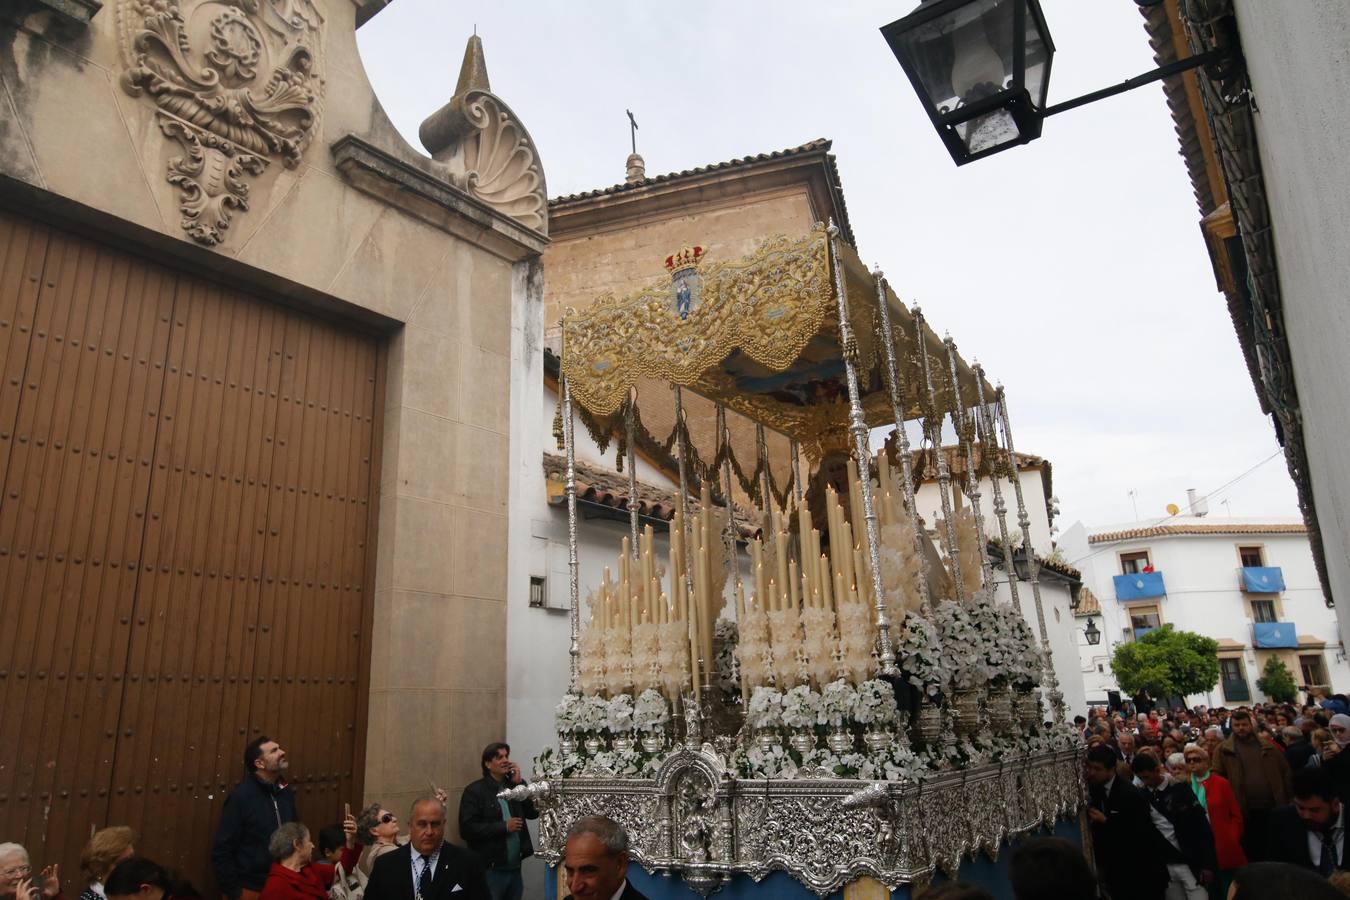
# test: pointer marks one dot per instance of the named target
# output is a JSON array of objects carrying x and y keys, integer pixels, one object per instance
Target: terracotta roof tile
[
  {"x": 1149, "y": 531},
  {"x": 1088, "y": 604}
]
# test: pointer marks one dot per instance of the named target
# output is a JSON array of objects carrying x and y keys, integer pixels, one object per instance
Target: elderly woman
[
  {"x": 1178, "y": 768},
  {"x": 294, "y": 874},
  {"x": 377, "y": 828},
  {"x": 107, "y": 848},
  {"x": 1225, "y": 816},
  {"x": 16, "y": 875}
]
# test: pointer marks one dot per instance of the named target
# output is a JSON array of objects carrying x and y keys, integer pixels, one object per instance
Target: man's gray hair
[
  {"x": 1176, "y": 759},
  {"x": 605, "y": 829},
  {"x": 1214, "y": 729},
  {"x": 1292, "y": 732},
  {"x": 282, "y": 842},
  {"x": 7, "y": 850}
]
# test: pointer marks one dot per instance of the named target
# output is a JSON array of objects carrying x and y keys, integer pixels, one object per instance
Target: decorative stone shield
[{"x": 237, "y": 83}]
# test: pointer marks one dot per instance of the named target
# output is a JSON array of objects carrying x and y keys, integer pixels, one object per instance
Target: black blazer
[
  {"x": 1178, "y": 804},
  {"x": 391, "y": 877},
  {"x": 1126, "y": 845},
  {"x": 629, "y": 893},
  {"x": 1288, "y": 840}
]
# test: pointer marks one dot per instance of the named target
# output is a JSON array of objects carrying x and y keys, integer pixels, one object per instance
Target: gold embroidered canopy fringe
[{"x": 760, "y": 334}]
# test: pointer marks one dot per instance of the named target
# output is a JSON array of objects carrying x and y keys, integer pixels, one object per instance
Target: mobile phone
[{"x": 346, "y": 811}]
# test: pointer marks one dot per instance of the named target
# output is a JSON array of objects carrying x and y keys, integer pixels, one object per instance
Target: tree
[
  {"x": 1167, "y": 663},
  {"x": 1276, "y": 682}
]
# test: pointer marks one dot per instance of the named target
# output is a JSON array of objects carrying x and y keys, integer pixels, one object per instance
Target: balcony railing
[
  {"x": 1274, "y": 635},
  {"x": 1261, "y": 579},
  {"x": 1139, "y": 586}
]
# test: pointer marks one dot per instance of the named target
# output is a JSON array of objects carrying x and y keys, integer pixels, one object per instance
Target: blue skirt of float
[{"x": 992, "y": 875}]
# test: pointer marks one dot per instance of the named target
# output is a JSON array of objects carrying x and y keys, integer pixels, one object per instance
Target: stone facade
[{"x": 321, "y": 204}]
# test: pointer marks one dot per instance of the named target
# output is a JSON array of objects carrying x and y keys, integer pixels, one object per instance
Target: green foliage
[
  {"x": 1167, "y": 663},
  {"x": 1276, "y": 682}
]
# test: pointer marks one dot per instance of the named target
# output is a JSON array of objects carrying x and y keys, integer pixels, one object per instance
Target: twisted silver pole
[
  {"x": 990, "y": 444},
  {"x": 934, "y": 427},
  {"x": 1033, "y": 566},
  {"x": 630, "y": 413},
  {"x": 762, "y": 456},
  {"x": 858, "y": 425},
  {"x": 895, "y": 385},
  {"x": 796, "y": 472},
  {"x": 966, "y": 440},
  {"x": 574, "y": 584},
  {"x": 730, "y": 537}
]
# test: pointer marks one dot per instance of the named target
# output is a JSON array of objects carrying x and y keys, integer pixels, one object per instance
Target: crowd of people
[
  {"x": 1201, "y": 804},
  {"x": 262, "y": 851},
  {"x": 1182, "y": 801}
]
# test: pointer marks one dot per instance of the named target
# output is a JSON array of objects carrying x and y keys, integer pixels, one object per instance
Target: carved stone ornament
[
  {"x": 237, "y": 83},
  {"x": 486, "y": 148}
]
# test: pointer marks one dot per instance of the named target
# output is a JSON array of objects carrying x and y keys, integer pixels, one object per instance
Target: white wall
[
  {"x": 1300, "y": 70},
  {"x": 1200, "y": 573}
]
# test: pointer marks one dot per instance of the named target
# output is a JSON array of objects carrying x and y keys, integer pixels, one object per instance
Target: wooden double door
[{"x": 185, "y": 534}]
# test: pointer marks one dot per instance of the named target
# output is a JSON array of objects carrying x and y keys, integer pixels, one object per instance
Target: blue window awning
[
  {"x": 1274, "y": 635},
  {"x": 1262, "y": 579},
  {"x": 1139, "y": 586}
]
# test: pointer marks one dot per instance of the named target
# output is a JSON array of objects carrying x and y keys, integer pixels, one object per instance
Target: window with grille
[
  {"x": 1263, "y": 611},
  {"x": 1134, "y": 563},
  {"x": 1252, "y": 557}
]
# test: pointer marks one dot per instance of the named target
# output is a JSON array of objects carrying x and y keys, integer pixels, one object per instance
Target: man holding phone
[{"x": 495, "y": 829}]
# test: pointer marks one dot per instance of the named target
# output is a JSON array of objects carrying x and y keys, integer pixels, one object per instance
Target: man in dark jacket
[
  {"x": 428, "y": 867},
  {"x": 258, "y": 806},
  {"x": 1124, "y": 840},
  {"x": 1259, "y": 774},
  {"x": 1311, "y": 832},
  {"x": 1183, "y": 825},
  {"x": 495, "y": 829}
]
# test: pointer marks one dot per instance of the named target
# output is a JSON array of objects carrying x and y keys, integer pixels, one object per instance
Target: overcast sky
[{"x": 1073, "y": 268}]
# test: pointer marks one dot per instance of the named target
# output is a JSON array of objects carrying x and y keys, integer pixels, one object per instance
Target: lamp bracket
[{"x": 1181, "y": 65}]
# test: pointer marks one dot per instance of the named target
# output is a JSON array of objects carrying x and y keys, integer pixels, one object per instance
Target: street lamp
[
  {"x": 981, "y": 69},
  {"x": 1092, "y": 633}
]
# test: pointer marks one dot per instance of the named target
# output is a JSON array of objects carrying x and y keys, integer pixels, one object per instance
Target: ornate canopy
[{"x": 761, "y": 335}]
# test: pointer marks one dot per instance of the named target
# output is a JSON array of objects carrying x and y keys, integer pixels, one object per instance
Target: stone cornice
[{"x": 411, "y": 187}]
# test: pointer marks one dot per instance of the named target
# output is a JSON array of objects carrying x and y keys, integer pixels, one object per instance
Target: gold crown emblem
[{"x": 686, "y": 258}]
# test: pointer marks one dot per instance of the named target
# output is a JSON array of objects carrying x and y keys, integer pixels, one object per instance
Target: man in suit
[
  {"x": 595, "y": 860},
  {"x": 1125, "y": 843},
  {"x": 1311, "y": 832},
  {"x": 1183, "y": 824},
  {"x": 427, "y": 867}
]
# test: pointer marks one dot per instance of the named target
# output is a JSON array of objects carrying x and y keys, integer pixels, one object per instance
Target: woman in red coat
[
  {"x": 1225, "y": 817},
  {"x": 294, "y": 874}
]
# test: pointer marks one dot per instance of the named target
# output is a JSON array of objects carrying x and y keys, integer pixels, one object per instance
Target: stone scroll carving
[
  {"x": 238, "y": 84},
  {"x": 486, "y": 148}
]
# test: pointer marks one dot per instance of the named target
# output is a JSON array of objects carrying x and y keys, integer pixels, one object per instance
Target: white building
[{"x": 1249, "y": 584}]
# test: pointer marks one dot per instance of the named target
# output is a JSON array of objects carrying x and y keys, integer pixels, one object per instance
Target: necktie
[
  {"x": 1327, "y": 864},
  {"x": 424, "y": 879}
]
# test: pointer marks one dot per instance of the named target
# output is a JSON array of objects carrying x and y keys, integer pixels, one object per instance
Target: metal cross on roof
[{"x": 632, "y": 131}]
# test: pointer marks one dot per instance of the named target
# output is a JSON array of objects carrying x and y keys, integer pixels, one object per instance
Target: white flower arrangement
[
  {"x": 567, "y": 712},
  {"x": 766, "y": 709},
  {"x": 995, "y": 625},
  {"x": 592, "y": 715},
  {"x": 651, "y": 712},
  {"x": 837, "y": 703},
  {"x": 899, "y": 763},
  {"x": 920, "y": 654},
  {"x": 619, "y": 713},
  {"x": 876, "y": 703},
  {"x": 964, "y": 646},
  {"x": 1027, "y": 660},
  {"x": 753, "y": 762},
  {"x": 801, "y": 707}
]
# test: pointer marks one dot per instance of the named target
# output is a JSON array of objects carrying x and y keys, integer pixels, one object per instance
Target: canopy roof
[{"x": 761, "y": 335}]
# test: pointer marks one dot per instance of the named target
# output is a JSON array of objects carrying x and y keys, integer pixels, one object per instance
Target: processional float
[{"x": 865, "y": 707}]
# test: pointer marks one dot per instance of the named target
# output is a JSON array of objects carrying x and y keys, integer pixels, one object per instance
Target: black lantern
[
  {"x": 981, "y": 69},
  {"x": 1092, "y": 633}
]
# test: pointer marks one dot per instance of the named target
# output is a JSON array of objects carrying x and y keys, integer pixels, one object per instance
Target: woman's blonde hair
[{"x": 104, "y": 850}]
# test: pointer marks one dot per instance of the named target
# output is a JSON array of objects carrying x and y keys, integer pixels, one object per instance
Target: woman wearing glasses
[
  {"x": 1225, "y": 816},
  {"x": 377, "y": 828}
]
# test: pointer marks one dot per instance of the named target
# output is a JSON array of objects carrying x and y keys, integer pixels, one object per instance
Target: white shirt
[
  {"x": 619, "y": 893},
  {"x": 1337, "y": 837},
  {"x": 1161, "y": 822},
  {"x": 417, "y": 867}
]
